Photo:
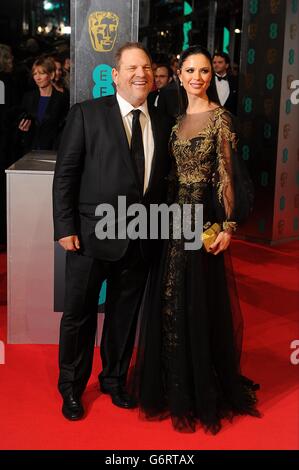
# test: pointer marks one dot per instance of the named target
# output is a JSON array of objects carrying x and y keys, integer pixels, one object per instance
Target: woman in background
[{"x": 43, "y": 110}]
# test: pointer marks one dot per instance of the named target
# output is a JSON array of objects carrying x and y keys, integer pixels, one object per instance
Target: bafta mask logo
[
  {"x": 280, "y": 226},
  {"x": 283, "y": 179},
  {"x": 274, "y": 6},
  {"x": 286, "y": 131},
  {"x": 252, "y": 31},
  {"x": 268, "y": 106},
  {"x": 293, "y": 31},
  {"x": 102, "y": 27},
  {"x": 249, "y": 79},
  {"x": 271, "y": 56},
  {"x": 247, "y": 129}
]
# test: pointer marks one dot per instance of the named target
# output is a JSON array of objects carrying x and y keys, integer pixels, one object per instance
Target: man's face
[
  {"x": 134, "y": 76},
  {"x": 219, "y": 65},
  {"x": 58, "y": 71},
  {"x": 161, "y": 77},
  {"x": 67, "y": 65}
]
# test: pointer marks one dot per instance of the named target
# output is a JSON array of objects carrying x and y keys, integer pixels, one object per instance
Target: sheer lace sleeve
[{"x": 234, "y": 190}]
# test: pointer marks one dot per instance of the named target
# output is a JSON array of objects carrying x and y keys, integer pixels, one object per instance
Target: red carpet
[{"x": 267, "y": 278}]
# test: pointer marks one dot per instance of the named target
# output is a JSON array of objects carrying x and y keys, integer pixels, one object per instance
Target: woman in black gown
[{"x": 188, "y": 359}]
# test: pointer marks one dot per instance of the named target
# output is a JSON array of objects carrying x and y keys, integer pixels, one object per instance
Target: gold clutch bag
[{"x": 209, "y": 236}]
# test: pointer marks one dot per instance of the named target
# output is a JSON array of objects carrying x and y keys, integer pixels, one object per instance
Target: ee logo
[{"x": 102, "y": 79}]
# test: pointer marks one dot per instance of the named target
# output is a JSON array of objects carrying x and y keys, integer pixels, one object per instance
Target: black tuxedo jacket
[
  {"x": 231, "y": 103},
  {"x": 169, "y": 100},
  {"x": 44, "y": 135},
  {"x": 94, "y": 166},
  {"x": 152, "y": 98}
]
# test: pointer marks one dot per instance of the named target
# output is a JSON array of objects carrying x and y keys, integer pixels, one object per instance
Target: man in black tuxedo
[
  {"x": 224, "y": 86},
  {"x": 111, "y": 146}
]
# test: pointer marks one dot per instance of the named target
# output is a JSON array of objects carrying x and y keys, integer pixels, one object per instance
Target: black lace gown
[{"x": 188, "y": 358}]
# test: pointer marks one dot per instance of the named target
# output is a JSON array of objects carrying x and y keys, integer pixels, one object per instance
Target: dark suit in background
[
  {"x": 168, "y": 103},
  {"x": 152, "y": 98},
  {"x": 231, "y": 102}
]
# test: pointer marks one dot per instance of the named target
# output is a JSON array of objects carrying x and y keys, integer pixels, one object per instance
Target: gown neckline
[{"x": 200, "y": 133}]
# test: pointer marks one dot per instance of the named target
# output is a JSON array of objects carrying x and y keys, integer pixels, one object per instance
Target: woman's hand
[
  {"x": 221, "y": 243},
  {"x": 25, "y": 125}
]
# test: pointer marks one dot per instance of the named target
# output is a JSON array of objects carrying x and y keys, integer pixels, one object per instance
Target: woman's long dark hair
[{"x": 192, "y": 50}]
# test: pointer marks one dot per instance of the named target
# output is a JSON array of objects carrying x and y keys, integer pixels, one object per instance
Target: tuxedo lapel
[{"x": 119, "y": 134}]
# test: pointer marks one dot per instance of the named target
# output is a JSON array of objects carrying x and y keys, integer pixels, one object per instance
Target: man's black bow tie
[{"x": 221, "y": 78}]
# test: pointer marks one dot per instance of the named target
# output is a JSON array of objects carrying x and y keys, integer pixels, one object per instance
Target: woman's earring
[{"x": 181, "y": 83}]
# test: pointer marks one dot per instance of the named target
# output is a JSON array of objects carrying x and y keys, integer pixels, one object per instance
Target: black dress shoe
[
  {"x": 119, "y": 396},
  {"x": 72, "y": 408}
]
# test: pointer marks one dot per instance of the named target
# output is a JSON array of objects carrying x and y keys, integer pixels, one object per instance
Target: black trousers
[{"x": 126, "y": 280}]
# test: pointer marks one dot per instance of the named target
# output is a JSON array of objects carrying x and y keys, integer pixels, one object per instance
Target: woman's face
[
  {"x": 41, "y": 77},
  {"x": 196, "y": 74},
  {"x": 58, "y": 71}
]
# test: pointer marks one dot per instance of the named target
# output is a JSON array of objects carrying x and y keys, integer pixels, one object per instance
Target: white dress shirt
[
  {"x": 222, "y": 87},
  {"x": 147, "y": 133}
]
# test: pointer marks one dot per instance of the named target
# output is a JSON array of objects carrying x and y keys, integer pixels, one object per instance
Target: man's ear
[{"x": 114, "y": 74}]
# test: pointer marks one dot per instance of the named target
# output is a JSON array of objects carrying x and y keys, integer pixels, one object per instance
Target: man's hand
[
  {"x": 70, "y": 243},
  {"x": 221, "y": 243}
]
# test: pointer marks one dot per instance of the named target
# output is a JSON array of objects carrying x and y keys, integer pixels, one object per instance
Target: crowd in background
[{"x": 36, "y": 82}]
